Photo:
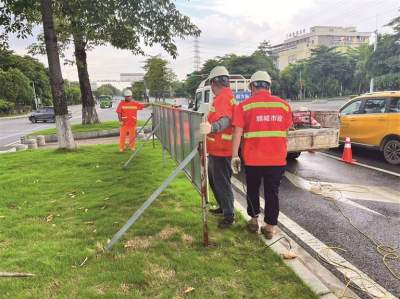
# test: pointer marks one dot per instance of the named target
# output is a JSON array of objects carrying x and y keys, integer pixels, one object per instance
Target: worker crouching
[
  {"x": 218, "y": 129},
  {"x": 263, "y": 122},
  {"x": 127, "y": 115}
]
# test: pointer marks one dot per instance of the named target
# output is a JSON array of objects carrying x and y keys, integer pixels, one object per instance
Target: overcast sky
[{"x": 233, "y": 26}]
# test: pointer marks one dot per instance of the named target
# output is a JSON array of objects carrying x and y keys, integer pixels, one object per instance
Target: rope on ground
[{"x": 387, "y": 252}]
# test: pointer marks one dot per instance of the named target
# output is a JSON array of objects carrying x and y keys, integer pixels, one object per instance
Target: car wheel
[
  {"x": 34, "y": 120},
  {"x": 293, "y": 156},
  {"x": 391, "y": 151}
]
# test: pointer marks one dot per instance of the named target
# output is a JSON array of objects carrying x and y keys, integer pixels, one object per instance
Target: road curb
[
  {"x": 87, "y": 135},
  {"x": 13, "y": 117},
  {"x": 320, "y": 280}
]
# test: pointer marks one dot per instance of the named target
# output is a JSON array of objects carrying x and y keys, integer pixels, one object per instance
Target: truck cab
[{"x": 204, "y": 95}]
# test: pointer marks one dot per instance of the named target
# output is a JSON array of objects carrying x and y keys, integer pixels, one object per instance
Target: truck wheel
[
  {"x": 33, "y": 120},
  {"x": 391, "y": 151},
  {"x": 293, "y": 156}
]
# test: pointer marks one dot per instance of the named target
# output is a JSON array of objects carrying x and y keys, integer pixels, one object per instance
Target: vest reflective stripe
[
  {"x": 265, "y": 105},
  {"x": 129, "y": 108},
  {"x": 226, "y": 137},
  {"x": 212, "y": 109},
  {"x": 261, "y": 134},
  {"x": 233, "y": 102},
  {"x": 210, "y": 138}
]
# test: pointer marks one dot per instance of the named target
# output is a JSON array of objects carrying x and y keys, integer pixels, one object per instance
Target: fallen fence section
[
  {"x": 178, "y": 132},
  {"x": 151, "y": 199}
]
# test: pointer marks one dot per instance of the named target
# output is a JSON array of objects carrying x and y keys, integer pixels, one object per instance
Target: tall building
[
  {"x": 131, "y": 77},
  {"x": 298, "y": 45}
]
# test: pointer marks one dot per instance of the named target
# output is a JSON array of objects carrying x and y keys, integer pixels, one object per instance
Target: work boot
[
  {"x": 268, "y": 234},
  {"x": 252, "y": 225},
  {"x": 217, "y": 212},
  {"x": 226, "y": 223}
]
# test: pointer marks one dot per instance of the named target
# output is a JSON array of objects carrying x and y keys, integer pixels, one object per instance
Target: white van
[{"x": 204, "y": 95}]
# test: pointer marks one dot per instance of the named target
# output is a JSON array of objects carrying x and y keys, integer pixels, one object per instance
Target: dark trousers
[
  {"x": 219, "y": 177},
  {"x": 272, "y": 176}
]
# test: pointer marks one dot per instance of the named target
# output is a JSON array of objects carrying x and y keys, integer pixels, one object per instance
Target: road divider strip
[{"x": 362, "y": 164}]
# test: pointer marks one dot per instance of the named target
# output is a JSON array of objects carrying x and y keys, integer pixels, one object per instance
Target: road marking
[
  {"x": 359, "y": 278},
  {"x": 346, "y": 192},
  {"x": 362, "y": 164}
]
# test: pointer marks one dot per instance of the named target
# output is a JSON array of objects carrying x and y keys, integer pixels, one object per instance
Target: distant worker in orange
[{"x": 127, "y": 115}]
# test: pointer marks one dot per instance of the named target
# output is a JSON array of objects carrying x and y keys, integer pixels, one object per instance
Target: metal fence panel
[{"x": 179, "y": 135}]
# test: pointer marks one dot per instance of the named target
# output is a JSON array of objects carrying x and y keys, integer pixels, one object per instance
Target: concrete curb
[
  {"x": 87, "y": 135},
  {"x": 13, "y": 117},
  {"x": 320, "y": 280}
]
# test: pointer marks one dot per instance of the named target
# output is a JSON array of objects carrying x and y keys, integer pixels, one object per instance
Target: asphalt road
[
  {"x": 11, "y": 130},
  {"x": 369, "y": 198}
]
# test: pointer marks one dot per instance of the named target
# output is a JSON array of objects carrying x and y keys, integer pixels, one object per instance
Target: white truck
[{"x": 312, "y": 130}]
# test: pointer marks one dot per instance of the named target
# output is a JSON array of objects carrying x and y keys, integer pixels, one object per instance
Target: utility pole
[
  {"x": 371, "y": 84},
  {"x": 301, "y": 87},
  {"x": 34, "y": 95},
  {"x": 196, "y": 58}
]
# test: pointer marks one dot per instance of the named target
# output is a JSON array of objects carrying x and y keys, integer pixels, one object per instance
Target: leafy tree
[
  {"x": 158, "y": 77},
  {"x": 15, "y": 87},
  {"x": 178, "y": 89},
  {"x": 6, "y": 107},
  {"x": 192, "y": 82},
  {"x": 361, "y": 55},
  {"x": 123, "y": 24},
  {"x": 107, "y": 89},
  {"x": 72, "y": 92},
  {"x": 64, "y": 133},
  {"x": 32, "y": 69},
  {"x": 138, "y": 91},
  {"x": 384, "y": 63}
]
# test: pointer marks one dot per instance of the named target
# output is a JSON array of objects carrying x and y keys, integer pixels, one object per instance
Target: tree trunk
[
  {"x": 89, "y": 114},
  {"x": 64, "y": 133}
]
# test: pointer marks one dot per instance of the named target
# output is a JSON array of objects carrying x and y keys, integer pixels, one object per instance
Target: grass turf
[
  {"x": 57, "y": 208},
  {"x": 79, "y": 128}
]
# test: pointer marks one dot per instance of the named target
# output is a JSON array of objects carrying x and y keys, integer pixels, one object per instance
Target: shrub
[{"x": 6, "y": 107}]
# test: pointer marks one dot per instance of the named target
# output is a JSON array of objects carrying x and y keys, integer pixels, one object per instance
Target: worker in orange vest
[
  {"x": 218, "y": 129},
  {"x": 263, "y": 121},
  {"x": 127, "y": 115}
]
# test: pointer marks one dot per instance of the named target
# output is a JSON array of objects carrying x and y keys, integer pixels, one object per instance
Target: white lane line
[
  {"x": 350, "y": 271},
  {"x": 362, "y": 164}
]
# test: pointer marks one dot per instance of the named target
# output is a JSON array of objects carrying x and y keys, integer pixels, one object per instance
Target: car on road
[
  {"x": 373, "y": 120},
  {"x": 44, "y": 114},
  {"x": 105, "y": 101}
]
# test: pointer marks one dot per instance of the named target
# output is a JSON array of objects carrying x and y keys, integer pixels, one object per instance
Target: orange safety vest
[
  {"x": 265, "y": 120},
  {"x": 128, "y": 111},
  {"x": 220, "y": 144}
]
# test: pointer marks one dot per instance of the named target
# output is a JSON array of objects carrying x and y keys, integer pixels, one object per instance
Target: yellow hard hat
[
  {"x": 218, "y": 71},
  {"x": 127, "y": 93},
  {"x": 260, "y": 76}
]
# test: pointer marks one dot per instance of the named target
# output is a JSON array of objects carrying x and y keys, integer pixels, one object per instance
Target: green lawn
[
  {"x": 78, "y": 128},
  {"x": 57, "y": 208}
]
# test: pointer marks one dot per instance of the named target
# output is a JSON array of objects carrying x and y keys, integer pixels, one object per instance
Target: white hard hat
[
  {"x": 127, "y": 93},
  {"x": 218, "y": 71},
  {"x": 260, "y": 76}
]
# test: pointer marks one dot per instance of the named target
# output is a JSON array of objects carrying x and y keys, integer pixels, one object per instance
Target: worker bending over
[
  {"x": 263, "y": 121},
  {"x": 218, "y": 129},
  {"x": 127, "y": 115}
]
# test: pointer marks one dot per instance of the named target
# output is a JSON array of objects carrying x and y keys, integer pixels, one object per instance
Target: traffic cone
[{"x": 347, "y": 153}]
